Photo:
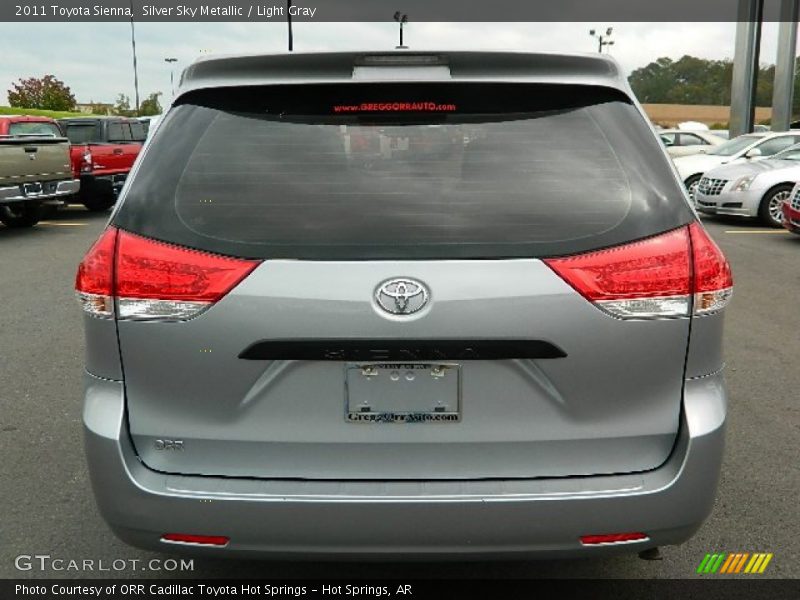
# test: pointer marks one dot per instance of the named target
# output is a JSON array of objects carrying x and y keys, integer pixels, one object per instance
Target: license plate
[{"x": 403, "y": 393}]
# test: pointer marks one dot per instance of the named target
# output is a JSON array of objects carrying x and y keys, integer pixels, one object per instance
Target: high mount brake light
[
  {"x": 662, "y": 276},
  {"x": 153, "y": 280}
]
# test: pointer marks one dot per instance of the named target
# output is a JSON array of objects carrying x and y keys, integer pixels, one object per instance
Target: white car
[
  {"x": 739, "y": 149},
  {"x": 756, "y": 189},
  {"x": 682, "y": 142}
]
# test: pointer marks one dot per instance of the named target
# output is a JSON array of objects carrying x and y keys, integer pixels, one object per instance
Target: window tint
[
  {"x": 734, "y": 146},
  {"x": 83, "y": 133},
  {"x": 403, "y": 171},
  {"x": 669, "y": 139},
  {"x": 33, "y": 128},
  {"x": 688, "y": 139},
  {"x": 775, "y": 145},
  {"x": 138, "y": 132},
  {"x": 119, "y": 132}
]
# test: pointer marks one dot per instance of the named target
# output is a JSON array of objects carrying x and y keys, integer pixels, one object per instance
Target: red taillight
[
  {"x": 652, "y": 278},
  {"x": 156, "y": 280},
  {"x": 150, "y": 269},
  {"x": 188, "y": 538},
  {"x": 612, "y": 538},
  {"x": 713, "y": 281},
  {"x": 644, "y": 279},
  {"x": 94, "y": 282},
  {"x": 86, "y": 162}
]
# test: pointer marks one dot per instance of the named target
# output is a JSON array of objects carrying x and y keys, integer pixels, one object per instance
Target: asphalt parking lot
[{"x": 46, "y": 505}]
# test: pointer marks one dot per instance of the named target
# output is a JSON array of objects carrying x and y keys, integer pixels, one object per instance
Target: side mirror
[{"x": 753, "y": 153}]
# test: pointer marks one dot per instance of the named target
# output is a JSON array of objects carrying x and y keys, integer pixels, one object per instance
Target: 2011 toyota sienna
[{"x": 404, "y": 304}]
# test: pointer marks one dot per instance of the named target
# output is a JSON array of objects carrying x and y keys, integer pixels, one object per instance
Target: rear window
[
  {"x": 34, "y": 128},
  {"x": 119, "y": 132},
  {"x": 369, "y": 171},
  {"x": 138, "y": 131},
  {"x": 83, "y": 133}
]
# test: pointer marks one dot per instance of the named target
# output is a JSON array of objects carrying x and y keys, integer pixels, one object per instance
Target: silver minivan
[{"x": 395, "y": 304}]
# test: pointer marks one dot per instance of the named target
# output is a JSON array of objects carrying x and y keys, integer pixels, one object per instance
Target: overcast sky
[{"x": 94, "y": 59}]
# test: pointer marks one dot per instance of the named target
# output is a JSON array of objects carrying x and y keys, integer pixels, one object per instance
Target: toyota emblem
[{"x": 401, "y": 296}]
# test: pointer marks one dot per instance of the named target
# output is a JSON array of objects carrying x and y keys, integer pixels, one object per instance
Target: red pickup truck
[{"x": 102, "y": 153}]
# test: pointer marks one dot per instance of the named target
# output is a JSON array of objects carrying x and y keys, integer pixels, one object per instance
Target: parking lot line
[
  {"x": 781, "y": 231},
  {"x": 59, "y": 224}
]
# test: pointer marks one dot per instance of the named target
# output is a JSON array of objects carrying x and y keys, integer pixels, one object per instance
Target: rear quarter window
[{"x": 403, "y": 171}]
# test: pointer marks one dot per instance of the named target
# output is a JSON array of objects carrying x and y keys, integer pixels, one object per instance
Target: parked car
[
  {"x": 34, "y": 168},
  {"x": 755, "y": 189},
  {"x": 294, "y": 348},
  {"x": 685, "y": 143},
  {"x": 103, "y": 152},
  {"x": 791, "y": 211},
  {"x": 723, "y": 133},
  {"x": 742, "y": 148}
]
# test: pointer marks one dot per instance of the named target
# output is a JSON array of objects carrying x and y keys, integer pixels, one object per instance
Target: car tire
[
  {"x": 770, "y": 209},
  {"x": 99, "y": 203},
  {"x": 691, "y": 185},
  {"x": 20, "y": 215}
]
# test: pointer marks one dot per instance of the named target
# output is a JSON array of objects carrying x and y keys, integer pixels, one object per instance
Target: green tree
[
  {"x": 692, "y": 80},
  {"x": 150, "y": 105},
  {"x": 689, "y": 80},
  {"x": 46, "y": 93},
  {"x": 122, "y": 107}
]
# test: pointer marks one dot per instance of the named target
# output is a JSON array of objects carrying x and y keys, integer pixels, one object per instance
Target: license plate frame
[{"x": 402, "y": 393}]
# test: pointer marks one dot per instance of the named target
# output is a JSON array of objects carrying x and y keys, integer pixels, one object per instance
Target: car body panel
[
  {"x": 34, "y": 167},
  {"x": 791, "y": 211},
  {"x": 621, "y": 431},
  {"x": 698, "y": 164},
  {"x": 618, "y": 417},
  {"x": 533, "y": 518},
  {"x": 688, "y": 142},
  {"x": 767, "y": 174}
]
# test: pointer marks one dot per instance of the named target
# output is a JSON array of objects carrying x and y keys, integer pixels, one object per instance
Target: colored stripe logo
[{"x": 735, "y": 562}]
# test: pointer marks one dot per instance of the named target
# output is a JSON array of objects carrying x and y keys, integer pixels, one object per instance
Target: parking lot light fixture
[
  {"x": 603, "y": 39},
  {"x": 135, "y": 67},
  {"x": 289, "y": 23},
  {"x": 169, "y": 61},
  {"x": 402, "y": 19}
]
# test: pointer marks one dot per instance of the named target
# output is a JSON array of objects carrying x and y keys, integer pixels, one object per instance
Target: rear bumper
[
  {"x": 50, "y": 190},
  {"x": 501, "y": 518},
  {"x": 103, "y": 184}
]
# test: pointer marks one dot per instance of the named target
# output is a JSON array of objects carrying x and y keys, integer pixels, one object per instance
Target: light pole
[
  {"x": 602, "y": 40},
  {"x": 135, "y": 68},
  {"x": 169, "y": 61},
  {"x": 289, "y": 23},
  {"x": 402, "y": 19}
]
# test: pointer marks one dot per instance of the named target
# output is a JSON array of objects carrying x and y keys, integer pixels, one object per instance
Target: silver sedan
[{"x": 755, "y": 189}]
